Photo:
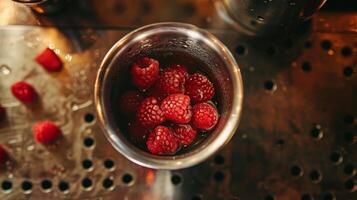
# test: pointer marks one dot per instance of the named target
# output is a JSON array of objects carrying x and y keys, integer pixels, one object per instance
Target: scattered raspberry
[
  {"x": 138, "y": 133},
  {"x": 149, "y": 114},
  {"x": 3, "y": 155},
  {"x": 161, "y": 141},
  {"x": 177, "y": 108},
  {"x": 46, "y": 132},
  {"x": 145, "y": 72},
  {"x": 49, "y": 60},
  {"x": 129, "y": 102},
  {"x": 24, "y": 92},
  {"x": 185, "y": 134},
  {"x": 199, "y": 88},
  {"x": 205, "y": 116},
  {"x": 171, "y": 80},
  {"x": 2, "y": 113}
]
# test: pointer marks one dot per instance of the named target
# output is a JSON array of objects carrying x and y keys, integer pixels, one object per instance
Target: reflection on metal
[{"x": 272, "y": 155}]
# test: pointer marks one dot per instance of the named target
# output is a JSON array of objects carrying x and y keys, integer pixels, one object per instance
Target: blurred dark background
[{"x": 340, "y": 5}]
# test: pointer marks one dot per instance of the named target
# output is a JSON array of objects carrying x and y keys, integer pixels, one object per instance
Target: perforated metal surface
[{"x": 296, "y": 140}]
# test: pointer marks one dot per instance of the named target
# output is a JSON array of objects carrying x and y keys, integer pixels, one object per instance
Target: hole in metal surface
[
  {"x": 219, "y": 159},
  {"x": 108, "y": 183},
  {"x": 306, "y": 66},
  {"x": 26, "y": 187},
  {"x": 89, "y": 117},
  {"x": 346, "y": 51},
  {"x": 219, "y": 176},
  {"x": 349, "y": 137},
  {"x": 270, "y": 85},
  {"x": 329, "y": 196},
  {"x": 270, "y": 50},
  {"x": 46, "y": 185},
  {"x": 176, "y": 179},
  {"x": 87, "y": 183},
  {"x": 88, "y": 142},
  {"x": 349, "y": 169},
  {"x": 315, "y": 176},
  {"x": 63, "y": 186},
  {"x": 316, "y": 132},
  {"x": 269, "y": 197},
  {"x": 326, "y": 44},
  {"x": 308, "y": 44},
  {"x": 197, "y": 197},
  {"x": 87, "y": 164},
  {"x": 109, "y": 164},
  {"x": 240, "y": 50},
  {"x": 347, "y": 71},
  {"x": 350, "y": 184},
  {"x": 6, "y": 186},
  {"x": 127, "y": 178},
  {"x": 349, "y": 119},
  {"x": 336, "y": 158},
  {"x": 306, "y": 197},
  {"x": 296, "y": 171}
]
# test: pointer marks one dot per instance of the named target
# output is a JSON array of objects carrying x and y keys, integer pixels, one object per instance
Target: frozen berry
[
  {"x": 145, "y": 72},
  {"x": 46, "y": 132},
  {"x": 161, "y": 141},
  {"x": 2, "y": 113},
  {"x": 49, "y": 60},
  {"x": 149, "y": 113},
  {"x": 138, "y": 133},
  {"x": 129, "y": 102},
  {"x": 185, "y": 133},
  {"x": 205, "y": 116},
  {"x": 177, "y": 108},
  {"x": 24, "y": 92},
  {"x": 199, "y": 88},
  {"x": 3, "y": 155},
  {"x": 171, "y": 80}
]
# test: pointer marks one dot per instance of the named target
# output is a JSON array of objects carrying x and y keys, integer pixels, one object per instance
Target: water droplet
[
  {"x": 4, "y": 69},
  {"x": 260, "y": 18},
  {"x": 75, "y": 107}
]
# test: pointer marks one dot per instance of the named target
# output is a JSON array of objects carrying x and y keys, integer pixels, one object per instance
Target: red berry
[
  {"x": 46, "y": 132},
  {"x": 49, "y": 60},
  {"x": 3, "y": 155},
  {"x": 145, "y": 72},
  {"x": 199, "y": 88},
  {"x": 185, "y": 133},
  {"x": 137, "y": 132},
  {"x": 182, "y": 70},
  {"x": 171, "y": 80},
  {"x": 149, "y": 114},
  {"x": 24, "y": 92},
  {"x": 161, "y": 141},
  {"x": 177, "y": 108},
  {"x": 129, "y": 102},
  {"x": 2, "y": 113},
  {"x": 205, "y": 116}
]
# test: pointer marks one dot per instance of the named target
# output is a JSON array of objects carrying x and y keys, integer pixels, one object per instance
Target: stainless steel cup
[
  {"x": 268, "y": 17},
  {"x": 170, "y": 37}
]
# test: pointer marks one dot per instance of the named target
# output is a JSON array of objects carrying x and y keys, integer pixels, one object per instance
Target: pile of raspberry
[{"x": 168, "y": 107}]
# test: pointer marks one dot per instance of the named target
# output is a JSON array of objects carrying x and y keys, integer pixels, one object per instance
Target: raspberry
[
  {"x": 161, "y": 141},
  {"x": 3, "y": 155},
  {"x": 182, "y": 70},
  {"x": 199, "y": 88},
  {"x": 138, "y": 133},
  {"x": 46, "y": 132},
  {"x": 149, "y": 114},
  {"x": 129, "y": 102},
  {"x": 185, "y": 134},
  {"x": 24, "y": 92},
  {"x": 177, "y": 108},
  {"x": 145, "y": 72},
  {"x": 171, "y": 80},
  {"x": 49, "y": 60},
  {"x": 205, "y": 116},
  {"x": 2, "y": 113}
]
